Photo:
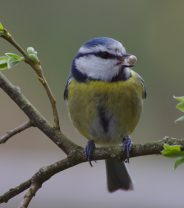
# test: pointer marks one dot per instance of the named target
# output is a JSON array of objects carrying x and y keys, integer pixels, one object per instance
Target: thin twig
[
  {"x": 74, "y": 152},
  {"x": 35, "y": 116},
  {"x": 40, "y": 177},
  {"x": 39, "y": 71},
  {"x": 29, "y": 195},
  {"x": 45, "y": 173},
  {"x": 15, "y": 131},
  {"x": 15, "y": 191},
  {"x": 7, "y": 36}
]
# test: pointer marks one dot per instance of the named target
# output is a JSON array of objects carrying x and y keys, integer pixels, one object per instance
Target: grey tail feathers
[{"x": 117, "y": 176}]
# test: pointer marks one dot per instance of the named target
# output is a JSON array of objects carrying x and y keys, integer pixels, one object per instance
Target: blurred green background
[{"x": 153, "y": 30}]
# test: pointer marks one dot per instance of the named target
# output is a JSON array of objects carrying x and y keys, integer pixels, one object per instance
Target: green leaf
[
  {"x": 33, "y": 55},
  {"x": 34, "y": 58},
  {"x": 172, "y": 151},
  {"x": 9, "y": 61},
  {"x": 3, "y": 67},
  {"x": 180, "y": 106},
  {"x": 14, "y": 56},
  {"x": 12, "y": 63},
  {"x": 180, "y": 119},
  {"x": 3, "y": 63},
  {"x": 31, "y": 50},
  {"x": 1, "y": 27},
  {"x": 178, "y": 162},
  {"x": 3, "y": 59},
  {"x": 13, "y": 59},
  {"x": 180, "y": 99}
]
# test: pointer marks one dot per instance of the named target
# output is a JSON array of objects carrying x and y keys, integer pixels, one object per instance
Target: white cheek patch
[{"x": 97, "y": 68}]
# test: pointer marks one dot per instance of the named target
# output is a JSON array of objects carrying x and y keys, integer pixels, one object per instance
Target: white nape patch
[{"x": 97, "y": 68}]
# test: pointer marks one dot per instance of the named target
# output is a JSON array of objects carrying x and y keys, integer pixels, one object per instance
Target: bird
[{"x": 104, "y": 98}]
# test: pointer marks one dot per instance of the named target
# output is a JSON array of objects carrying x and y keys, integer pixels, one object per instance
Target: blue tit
[{"x": 104, "y": 97}]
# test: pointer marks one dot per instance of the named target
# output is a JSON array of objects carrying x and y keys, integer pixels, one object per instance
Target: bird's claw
[
  {"x": 89, "y": 149},
  {"x": 127, "y": 146}
]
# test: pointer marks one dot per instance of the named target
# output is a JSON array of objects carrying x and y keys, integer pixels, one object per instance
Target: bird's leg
[
  {"x": 127, "y": 146},
  {"x": 89, "y": 149}
]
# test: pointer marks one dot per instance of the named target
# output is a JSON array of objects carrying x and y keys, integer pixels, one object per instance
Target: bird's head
[{"x": 102, "y": 59}]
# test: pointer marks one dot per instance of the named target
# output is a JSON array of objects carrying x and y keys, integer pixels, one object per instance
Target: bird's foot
[
  {"x": 127, "y": 146},
  {"x": 89, "y": 149}
]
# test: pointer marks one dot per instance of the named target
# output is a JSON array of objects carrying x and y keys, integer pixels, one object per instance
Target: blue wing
[
  {"x": 143, "y": 85},
  {"x": 66, "y": 87}
]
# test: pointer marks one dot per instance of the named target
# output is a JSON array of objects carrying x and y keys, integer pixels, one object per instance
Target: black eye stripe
[
  {"x": 101, "y": 54},
  {"x": 105, "y": 55}
]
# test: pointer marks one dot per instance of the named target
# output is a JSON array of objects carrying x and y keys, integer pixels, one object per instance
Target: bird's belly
[{"x": 104, "y": 114}]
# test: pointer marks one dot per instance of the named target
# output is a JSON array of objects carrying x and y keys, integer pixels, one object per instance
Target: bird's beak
[{"x": 129, "y": 60}]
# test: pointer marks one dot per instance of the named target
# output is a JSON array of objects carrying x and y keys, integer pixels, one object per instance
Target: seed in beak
[{"x": 132, "y": 60}]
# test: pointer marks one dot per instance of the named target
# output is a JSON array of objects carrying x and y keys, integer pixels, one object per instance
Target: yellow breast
[{"x": 105, "y": 111}]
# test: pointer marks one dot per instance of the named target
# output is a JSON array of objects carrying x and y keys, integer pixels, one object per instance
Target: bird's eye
[{"x": 104, "y": 55}]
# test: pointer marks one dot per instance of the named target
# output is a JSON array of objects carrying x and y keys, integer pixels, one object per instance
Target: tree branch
[
  {"x": 75, "y": 153},
  {"x": 8, "y": 37},
  {"x": 29, "y": 195},
  {"x": 41, "y": 176},
  {"x": 15, "y": 131},
  {"x": 45, "y": 173},
  {"x": 35, "y": 116},
  {"x": 15, "y": 191},
  {"x": 39, "y": 71}
]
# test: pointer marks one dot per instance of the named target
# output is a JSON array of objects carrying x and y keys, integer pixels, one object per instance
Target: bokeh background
[{"x": 153, "y": 30}]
